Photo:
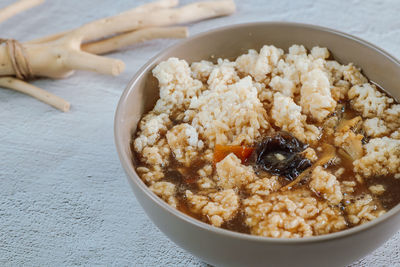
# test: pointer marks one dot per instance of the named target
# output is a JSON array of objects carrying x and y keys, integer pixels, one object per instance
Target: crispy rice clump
[
  {"x": 382, "y": 157},
  {"x": 326, "y": 184},
  {"x": 291, "y": 214}
]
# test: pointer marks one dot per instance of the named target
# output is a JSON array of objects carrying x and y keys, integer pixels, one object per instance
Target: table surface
[{"x": 64, "y": 198}]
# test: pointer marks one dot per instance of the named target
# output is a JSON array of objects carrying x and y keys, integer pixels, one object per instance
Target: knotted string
[{"x": 19, "y": 59}]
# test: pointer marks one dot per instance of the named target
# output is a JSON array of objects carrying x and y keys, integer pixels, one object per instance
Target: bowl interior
[{"x": 142, "y": 92}]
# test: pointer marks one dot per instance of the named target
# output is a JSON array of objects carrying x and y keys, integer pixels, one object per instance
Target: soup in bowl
[{"x": 272, "y": 138}]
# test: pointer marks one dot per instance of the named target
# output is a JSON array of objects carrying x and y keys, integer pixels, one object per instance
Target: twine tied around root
[{"x": 19, "y": 60}]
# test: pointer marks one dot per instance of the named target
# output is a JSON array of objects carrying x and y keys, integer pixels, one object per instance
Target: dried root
[{"x": 59, "y": 55}]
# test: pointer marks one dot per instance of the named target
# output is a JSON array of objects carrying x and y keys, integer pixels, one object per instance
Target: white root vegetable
[
  {"x": 156, "y": 5},
  {"x": 58, "y": 55},
  {"x": 143, "y": 8},
  {"x": 123, "y": 40},
  {"x": 21, "y": 86},
  {"x": 132, "y": 20},
  {"x": 17, "y": 7},
  {"x": 36, "y": 92},
  {"x": 149, "y": 15},
  {"x": 58, "y": 58}
]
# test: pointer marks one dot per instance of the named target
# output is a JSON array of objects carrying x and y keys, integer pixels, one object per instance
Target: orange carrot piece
[{"x": 242, "y": 152}]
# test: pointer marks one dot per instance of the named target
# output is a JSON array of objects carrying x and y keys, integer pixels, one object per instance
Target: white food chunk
[
  {"x": 166, "y": 191},
  {"x": 217, "y": 207},
  {"x": 177, "y": 86},
  {"x": 184, "y": 141},
  {"x": 375, "y": 127},
  {"x": 232, "y": 174},
  {"x": 258, "y": 65},
  {"x": 316, "y": 98},
  {"x": 326, "y": 184},
  {"x": 368, "y": 100},
  {"x": 382, "y": 158},
  {"x": 287, "y": 115},
  {"x": 230, "y": 114}
]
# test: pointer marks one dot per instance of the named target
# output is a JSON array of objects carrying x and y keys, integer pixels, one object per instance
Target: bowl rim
[{"x": 134, "y": 177}]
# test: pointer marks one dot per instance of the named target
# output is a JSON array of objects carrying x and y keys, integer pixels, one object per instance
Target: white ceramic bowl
[{"x": 226, "y": 248}]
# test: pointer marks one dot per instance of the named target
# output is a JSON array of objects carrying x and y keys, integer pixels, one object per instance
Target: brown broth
[
  {"x": 391, "y": 197},
  {"x": 237, "y": 224}
]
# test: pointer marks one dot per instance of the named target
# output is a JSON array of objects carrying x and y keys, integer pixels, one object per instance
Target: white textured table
[{"x": 64, "y": 199}]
